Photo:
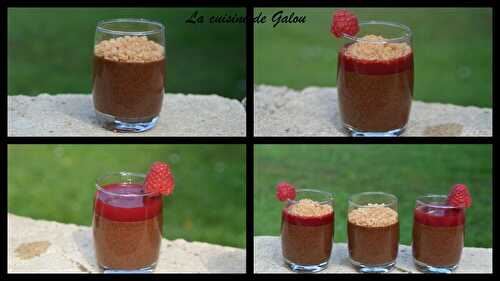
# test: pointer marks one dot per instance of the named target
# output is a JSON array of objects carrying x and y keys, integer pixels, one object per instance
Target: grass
[
  {"x": 50, "y": 50},
  {"x": 452, "y": 46},
  {"x": 56, "y": 182},
  {"x": 406, "y": 171}
]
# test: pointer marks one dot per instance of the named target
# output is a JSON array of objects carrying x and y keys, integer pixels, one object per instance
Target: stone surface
[
  {"x": 280, "y": 111},
  {"x": 268, "y": 258},
  {"x": 73, "y": 115},
  {"x": 47, "y": 246}
]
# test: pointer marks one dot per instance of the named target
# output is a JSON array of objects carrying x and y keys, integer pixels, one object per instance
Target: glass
[
  {"x": 128, "y": 74},
  {"x": 375, "y": 80},
  {"x": 438, "y": 234},
  {"x": 373, "y": 231},
  {"x": 127, "y": 224},
  {"x": 306, "y": 241}
]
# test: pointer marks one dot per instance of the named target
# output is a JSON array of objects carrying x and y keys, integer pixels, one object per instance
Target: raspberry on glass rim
[{"x": 344, "y": 22}]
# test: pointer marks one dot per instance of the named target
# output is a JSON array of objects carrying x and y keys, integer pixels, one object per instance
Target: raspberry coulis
[
  {"x": 375, "y": 67},
  {"x": 439, "y": 216},
  {"x": 126, "y": 209},
  {"x": 307, "y": 221}
]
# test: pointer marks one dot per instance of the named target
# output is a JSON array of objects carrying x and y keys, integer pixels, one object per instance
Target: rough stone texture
[
  {"x": 268, "y": 259},
  {"x": 46, "y": 246},
  {"x": 73, "y": 115},
  {"x": 280, "y": 111}
]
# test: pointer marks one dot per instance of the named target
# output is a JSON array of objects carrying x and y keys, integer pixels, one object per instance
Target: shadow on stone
[{"x": 84, "y": 242}]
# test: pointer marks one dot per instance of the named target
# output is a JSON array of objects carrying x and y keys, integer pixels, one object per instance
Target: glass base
[
  {"x": 306, "y": 268},
  {"x": 144, "y": 270},
  {"x": 432, "y": 269},
  {"x": 115, "y": 124},
  {"x": 384, "y": 268},
  {"x": 355, "y": 133}
]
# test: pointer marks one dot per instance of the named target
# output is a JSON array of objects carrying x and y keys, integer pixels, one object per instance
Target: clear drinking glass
[
  {"x": 127, "y": 224},
  {"x": 306, "y": 241},
  {"x": 438, "y": 234},
  {"x": 128, "y": 75},
  {"x": 373, "y": 231},
  {"x": 375, "y": 79}
]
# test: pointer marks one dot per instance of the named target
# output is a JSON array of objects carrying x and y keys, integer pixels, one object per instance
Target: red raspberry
[
  {"x": 344, "y": 22},
  {"x": 459, "y": 196},
  {"x": 285, "y": 191},
  {"x": 159, "y": 179}
]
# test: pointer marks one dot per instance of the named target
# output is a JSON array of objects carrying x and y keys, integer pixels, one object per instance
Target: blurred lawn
[
  {"x": 407, "y": 171},
  {"x": 56, "y": 182},
  {"x": 50, "y": 50},
  {"x": 453, "y": 51}
]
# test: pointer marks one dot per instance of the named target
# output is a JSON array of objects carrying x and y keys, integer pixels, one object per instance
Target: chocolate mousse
[
  {"x": 438, "y": 236},
  {"x": 127, "y": 230},
  {"x": 307, "y": 232},
  {"x": 373, "y": 235},
  {"x": 128, "y": 80},
  {"x": 375, "y": 84}
]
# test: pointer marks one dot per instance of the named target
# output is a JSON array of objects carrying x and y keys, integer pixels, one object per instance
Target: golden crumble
[
  {"x": 373, "y": 47},
  {"x": 373, "y": 215},
  {"x": 309, "y": 208},
  {"x": 130, "y": 49}
]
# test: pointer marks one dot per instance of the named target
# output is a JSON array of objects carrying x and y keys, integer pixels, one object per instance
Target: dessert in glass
[
  {"x": 128, "y": 74},
  {"x": 438, "y": 233},
  {"x": 128, "y": 221},
  {"x": 375, "y": 79},
  {"x": 373, "y": 231},
  {"x": 307, "y": 228}
]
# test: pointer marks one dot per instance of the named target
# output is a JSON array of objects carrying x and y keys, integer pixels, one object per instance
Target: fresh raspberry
[
  {"x": 344, "y": 22},
  {"x": 159, "y": 179},
  {"x": 459, "y": 196},
  {"x": 285, "y": 191}
]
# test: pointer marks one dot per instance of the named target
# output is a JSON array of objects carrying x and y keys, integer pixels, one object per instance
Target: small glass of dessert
[
  {"x": 438, "y": 230},
  {"x": 128, "y": 75},
  {"x": 375, "y": 79},
  {"x": 307, "y": 228},
  {"x": 373, "y": 231},
  {"x": 127, "y": 224}
]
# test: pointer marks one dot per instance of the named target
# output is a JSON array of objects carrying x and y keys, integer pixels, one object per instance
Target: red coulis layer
[
  {"x": 126, "y": 208},
  {"x": 375, "y": 67},
  {"x": 307, "y": 221},
  {"x": 439, "y": 216}
]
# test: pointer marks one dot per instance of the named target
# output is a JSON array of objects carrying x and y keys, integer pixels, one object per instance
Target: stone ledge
[
  {"x": 73, "y": 115},
  {"x": 268, "y": 259},
  {"x": 280, "y": 111},
  {"x": 46, "y": 246}
]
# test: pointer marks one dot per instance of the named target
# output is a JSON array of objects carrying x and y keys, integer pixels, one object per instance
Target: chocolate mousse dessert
[
  {"x": 306, "y": 227},
  {"x": 373, "y": 235},
  {"x": 127, "y": 230},
  {"x": 307, "y": 232},
  {"x": 438, "y": 230},
  {"x": 375, "y": 82},
  {"x": 128, "y": 219},
  {"x": 374, "y": 77},
  {"x": 128, "y": 79}
]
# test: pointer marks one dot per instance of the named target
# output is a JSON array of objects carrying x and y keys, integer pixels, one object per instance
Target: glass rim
[
  {"x": 420, "y": 201},
  {"x": 100, "y": 28},
  {"x": 406, "y": 36},
  {"x": 121, "y": 173},
  {"x": 329, "y": 195},
  {"x": 392, "y": 196}
]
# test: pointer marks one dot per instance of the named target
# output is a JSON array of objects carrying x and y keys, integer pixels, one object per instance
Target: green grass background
[
  {"x": 407, "y": 171},
  {"x": 452, "y": 46},
  {"x": 57, "y": 182},
  {"x": 50, "y": 50}
]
